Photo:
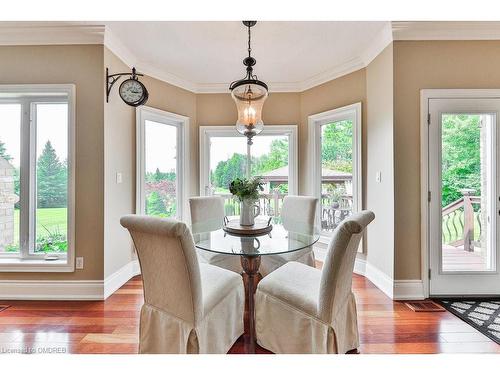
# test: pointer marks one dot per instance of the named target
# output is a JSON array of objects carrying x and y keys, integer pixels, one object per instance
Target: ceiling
[
  {"x": 205, "y": 57},
  {"x": 209, "y": 54}
]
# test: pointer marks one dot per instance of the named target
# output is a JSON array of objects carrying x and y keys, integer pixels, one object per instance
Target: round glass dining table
[{"x": 250, "y": 248}]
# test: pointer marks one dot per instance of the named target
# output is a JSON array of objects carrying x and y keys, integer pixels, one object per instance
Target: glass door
[{"x": 463, "y": 176}]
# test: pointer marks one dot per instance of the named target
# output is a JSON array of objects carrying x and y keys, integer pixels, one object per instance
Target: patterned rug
[{"x": 483, "y": 315}]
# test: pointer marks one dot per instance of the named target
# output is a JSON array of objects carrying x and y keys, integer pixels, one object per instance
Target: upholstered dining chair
[
  {"x": 300, "y": 309},
  {"x": 207, "y": 214},
  {"x": 298, "y": 215},
  {"x": 189, "y": 307}
]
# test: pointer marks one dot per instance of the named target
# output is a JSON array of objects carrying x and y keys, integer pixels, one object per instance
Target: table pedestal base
[{"x": 251, "y": 278}]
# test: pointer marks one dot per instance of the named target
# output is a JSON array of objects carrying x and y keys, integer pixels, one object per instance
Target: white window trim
[
  {"x": 14, "y": 263},
  {"x": 144, "y": 113},
  {"x": 352, "y": 111},
  {"x": 229, "y": 131}
]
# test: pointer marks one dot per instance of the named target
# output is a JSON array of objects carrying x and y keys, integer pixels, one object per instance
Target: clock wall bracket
[{"x": 111, "y": 79}]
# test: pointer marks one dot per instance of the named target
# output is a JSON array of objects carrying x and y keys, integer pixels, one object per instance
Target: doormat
[
  {"x": 4, "y": 307},
  {"x": 424, "y": 306},
  {"x": 482, "y": 314}
]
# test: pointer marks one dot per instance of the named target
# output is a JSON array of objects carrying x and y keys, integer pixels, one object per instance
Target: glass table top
[{"x": 280, "y": 240}]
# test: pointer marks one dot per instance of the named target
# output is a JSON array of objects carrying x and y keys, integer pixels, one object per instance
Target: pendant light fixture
[{"x": 249, "y": 94}]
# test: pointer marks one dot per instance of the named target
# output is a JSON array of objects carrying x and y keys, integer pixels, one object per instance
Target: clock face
[{"x": 133, "y": 92}]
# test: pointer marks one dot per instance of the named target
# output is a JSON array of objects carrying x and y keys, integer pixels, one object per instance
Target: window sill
[{"x": 35, "y": 265}]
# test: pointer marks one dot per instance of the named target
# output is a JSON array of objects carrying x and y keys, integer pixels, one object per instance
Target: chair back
[
  {"x": 207, "y": 213},
  {"x": 299, "y": 213},
  {"x": 336, "y": 276},
  {"x": 169, "y": 265}
]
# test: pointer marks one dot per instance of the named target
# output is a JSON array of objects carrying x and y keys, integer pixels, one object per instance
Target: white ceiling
[{"x": 210, "y": 54}]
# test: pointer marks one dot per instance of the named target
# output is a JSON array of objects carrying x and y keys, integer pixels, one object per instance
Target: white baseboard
[
  {"x": 115, "y": 281},
  {"x": 79, "y": 290},
  {"x": 65, "y": 290},
  {"x": 360, "y": 266},
  {"x": 409, "y": 290}
]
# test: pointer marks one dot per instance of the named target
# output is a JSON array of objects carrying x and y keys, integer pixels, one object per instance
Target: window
[
  {"x": 36, "y": 177},
  {"x": 336, "y": 164},
  {"x": 225, "y": 155},
  {"x": 162, "y": 161}
]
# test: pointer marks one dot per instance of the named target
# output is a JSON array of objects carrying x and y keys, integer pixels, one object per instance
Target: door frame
[{"x": 425, "y": 96}]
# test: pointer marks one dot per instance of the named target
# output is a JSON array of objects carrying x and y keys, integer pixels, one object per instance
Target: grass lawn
[{"x": 52, "y": 220}]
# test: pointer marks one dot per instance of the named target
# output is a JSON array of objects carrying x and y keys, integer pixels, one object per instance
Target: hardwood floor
[{"x": 112, "y": 326}]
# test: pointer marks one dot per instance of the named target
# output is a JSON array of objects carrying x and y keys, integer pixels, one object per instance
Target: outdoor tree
[
  {"x": 461, "y": 159},
  {"x": 336, "y": 145},
  {"x": 3, "y": 152},
  {"x": 227, "y": 171},
  {"x": 51, "y": 179},
  {"x": 276, "y": 158},
  {"x": 155, "y": 205}
]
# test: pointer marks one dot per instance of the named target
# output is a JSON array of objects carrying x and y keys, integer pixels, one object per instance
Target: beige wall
[
  {"x": 424, "y": 65},
  {"x": 81, "y": 65},
  {"x": 119, "y": 156},
  {"x": 379, "y": 158}
]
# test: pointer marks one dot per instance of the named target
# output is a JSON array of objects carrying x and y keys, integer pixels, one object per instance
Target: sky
[{"x": 52, "y": 120}]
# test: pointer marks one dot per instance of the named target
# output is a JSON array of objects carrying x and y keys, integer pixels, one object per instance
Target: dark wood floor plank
[{"x": 112, "y": 326}]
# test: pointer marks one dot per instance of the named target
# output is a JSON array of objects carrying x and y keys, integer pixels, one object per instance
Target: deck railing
[
  {"x": 462, "y": 222},
  {"x": 270, "y": 204}
]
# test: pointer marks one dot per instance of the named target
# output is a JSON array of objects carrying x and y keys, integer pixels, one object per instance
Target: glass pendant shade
[{"x": 249, "y": 98}]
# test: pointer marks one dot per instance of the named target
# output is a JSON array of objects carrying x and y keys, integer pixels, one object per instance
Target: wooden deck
[
  {"x": 457, "y": 259},
  {"x": 112, "y": 326}
]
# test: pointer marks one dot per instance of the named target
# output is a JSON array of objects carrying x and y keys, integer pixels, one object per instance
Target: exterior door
[{"x": 464, "y": 197}]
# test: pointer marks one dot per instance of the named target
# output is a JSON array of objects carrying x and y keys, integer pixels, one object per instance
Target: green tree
[
  {"x": 336, "y": 148},
  {"x": 51, "y": 179},
  {"x": 227, "y": 171},
  {"x": 276, "y": 158},
  {"x": 461, "y": 159},
  {"x": 3, "y": 152},
  {"x": 155, "y": 205}
]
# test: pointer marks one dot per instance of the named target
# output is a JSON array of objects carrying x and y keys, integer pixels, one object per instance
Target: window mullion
[{"x": 25, "y": 180}]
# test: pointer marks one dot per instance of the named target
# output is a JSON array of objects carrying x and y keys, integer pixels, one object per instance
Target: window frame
[
  {"x": 350, "y": 112},
  {"x": 143, "y": 114},
  {"x": 229, "y": 131},
  {"x": 29, "y": 96}
]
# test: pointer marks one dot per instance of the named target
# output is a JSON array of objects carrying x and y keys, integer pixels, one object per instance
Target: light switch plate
[
  {"x": 79, "y": 263},
  {"x": 119, "y": 178},
  {"x": 378, "y": 176}
]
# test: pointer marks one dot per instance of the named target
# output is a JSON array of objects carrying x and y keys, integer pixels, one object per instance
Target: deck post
[{"x": 468, "y": 220}]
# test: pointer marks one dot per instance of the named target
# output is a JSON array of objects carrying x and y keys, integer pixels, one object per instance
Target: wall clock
[{"x": 132, "y": 91}]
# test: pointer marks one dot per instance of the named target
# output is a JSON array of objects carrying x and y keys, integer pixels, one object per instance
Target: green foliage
[
  {"x": 336, "y": 146},
  {"x": 53, "y": 241},
  {"x": 246, "y": 189},
  {"x": 51, "y": 179},
  {"x": 229, "y": 170},
  {"x": 276, "y": 158},
  {"x": 158, "y": 176},
  {"x": 3, "y": 152},
  {"x": 461, "y": 159},
  {"x": 155, "y": 205}
]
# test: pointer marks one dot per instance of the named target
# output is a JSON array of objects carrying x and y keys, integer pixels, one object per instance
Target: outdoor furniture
[
  {"x": 207, "y": 213},
  {"x": 250, "y": 249},
  {"x": 300, "y": 309},
  {"x": 189, "y": 307},
  {"x": 298, "y": 212}
]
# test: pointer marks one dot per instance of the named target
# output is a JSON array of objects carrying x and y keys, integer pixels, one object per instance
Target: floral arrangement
[{"x": 244, "y": 188}]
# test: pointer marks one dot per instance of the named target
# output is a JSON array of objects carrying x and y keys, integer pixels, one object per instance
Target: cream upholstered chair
[
  {"x": 298, "y": 214},
  {"x": 188, "y": 307},
  {"x": 300, "y": 309},
  {"x": 207, "y": 214}
]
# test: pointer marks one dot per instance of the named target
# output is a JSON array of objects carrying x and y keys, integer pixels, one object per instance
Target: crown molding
[
  {"x": 35, "y": 34},
  {"x": 25, "y": 34},
  {"x": 446, "y": 30},
  {"x": 380, "y": 41}
]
